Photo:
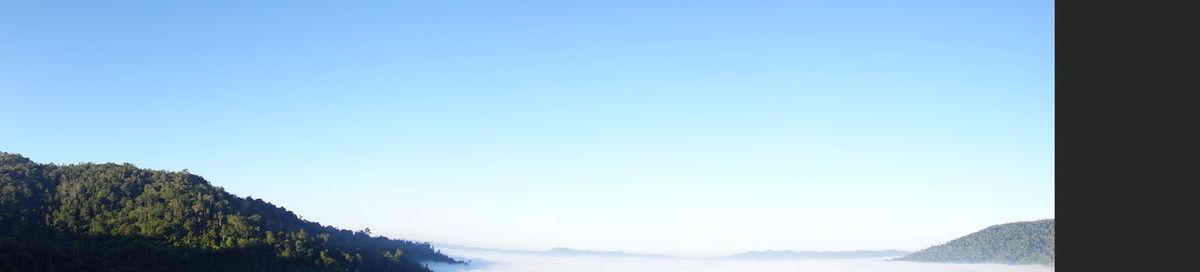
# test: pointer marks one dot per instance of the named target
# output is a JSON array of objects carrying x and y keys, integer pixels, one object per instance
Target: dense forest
[
  {"x": 117, "y": 217},
  {"x": 1013, "y": 243}
]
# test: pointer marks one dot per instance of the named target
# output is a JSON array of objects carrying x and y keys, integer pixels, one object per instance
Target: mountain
[
  {"x": 1013, "y": 243},
  {"x": 793, "y": 255},
  {"x": 117, "y": 217}
]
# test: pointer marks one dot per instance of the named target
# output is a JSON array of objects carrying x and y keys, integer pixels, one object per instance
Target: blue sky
[{"x": 678, "y": 127}]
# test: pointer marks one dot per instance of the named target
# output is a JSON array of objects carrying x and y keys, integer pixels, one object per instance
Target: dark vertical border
[{"x": 1123, "y": 74}]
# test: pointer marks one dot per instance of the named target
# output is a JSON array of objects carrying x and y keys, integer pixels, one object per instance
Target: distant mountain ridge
[
  {"x": 1029, "y": 242},
  {"x": 749, "y": 255},
  {"x": 793, "y": 255}
]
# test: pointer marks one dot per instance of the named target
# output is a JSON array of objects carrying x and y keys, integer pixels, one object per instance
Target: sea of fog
[{"x": 491, "y": 261}]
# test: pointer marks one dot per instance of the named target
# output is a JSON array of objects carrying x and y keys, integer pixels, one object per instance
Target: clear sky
[{"x": 676, "y": 127}]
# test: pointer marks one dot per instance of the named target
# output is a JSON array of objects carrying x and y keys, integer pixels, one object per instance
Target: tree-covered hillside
[
  {"x": 1013, "y": 243},
  {"x": 117, "y": 217}
]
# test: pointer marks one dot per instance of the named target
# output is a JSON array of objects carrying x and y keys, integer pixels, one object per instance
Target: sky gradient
[{"x": 673, "y": 127}]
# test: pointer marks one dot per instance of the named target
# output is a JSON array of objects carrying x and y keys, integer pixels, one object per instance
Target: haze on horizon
[
  {"x": 673, "y": 127},
  {"x": 505, "y": 262}
]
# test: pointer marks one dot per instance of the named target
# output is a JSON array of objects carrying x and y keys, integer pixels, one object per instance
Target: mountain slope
[
  {"x": 117, "y": 217},
  {"x": 1013, "y": 243}
]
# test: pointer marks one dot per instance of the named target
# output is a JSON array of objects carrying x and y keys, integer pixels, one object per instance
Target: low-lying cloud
[{"x": 507, "y": 262}]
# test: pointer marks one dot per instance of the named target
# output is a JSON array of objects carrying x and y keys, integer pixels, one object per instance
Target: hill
[
  {"x": 1013, "y": 243},
  {"x": 117, "y": 217},
  {"x": 793, "y": 255}
]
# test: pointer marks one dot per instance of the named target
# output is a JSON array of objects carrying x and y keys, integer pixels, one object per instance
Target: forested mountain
[
  {"x": 793, "y": 255},
  {"x": 117, "y": 217},
  {"x": 1013, "y": 243}
]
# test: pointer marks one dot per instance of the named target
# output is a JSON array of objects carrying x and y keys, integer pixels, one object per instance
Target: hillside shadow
[{"x": 61, "y": 251}]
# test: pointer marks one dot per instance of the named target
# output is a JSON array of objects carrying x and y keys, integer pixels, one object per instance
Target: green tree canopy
[{"x": 117, "y": 217}]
